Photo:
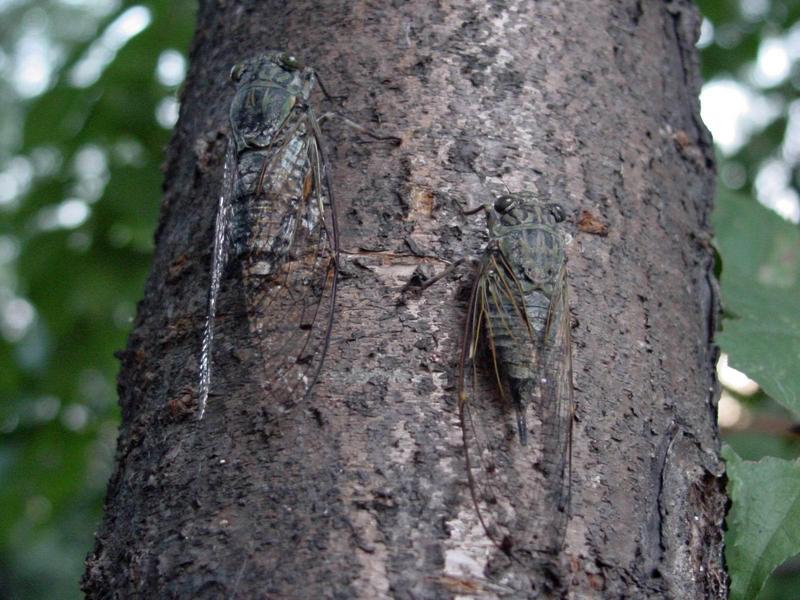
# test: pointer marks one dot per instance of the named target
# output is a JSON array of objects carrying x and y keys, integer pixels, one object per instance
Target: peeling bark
[{"x": 360, "y": 492}]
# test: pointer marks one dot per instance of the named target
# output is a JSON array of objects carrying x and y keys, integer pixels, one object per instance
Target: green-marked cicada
[
  {"x": 276, "y": 212},
  {"x": 518, "y": 319}
]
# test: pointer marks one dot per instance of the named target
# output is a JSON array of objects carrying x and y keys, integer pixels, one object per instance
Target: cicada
[
  {"x": 518, "y": 320},
  {"x": 276, "y": 217}
]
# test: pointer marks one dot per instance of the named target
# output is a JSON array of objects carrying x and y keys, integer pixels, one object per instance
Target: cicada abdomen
[
  {"x": 519, "y": 314},
  {"x": 279, "y": 222}
]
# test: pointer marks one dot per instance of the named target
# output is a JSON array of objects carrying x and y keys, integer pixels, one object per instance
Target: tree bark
[{"x": 361, "y": 491}]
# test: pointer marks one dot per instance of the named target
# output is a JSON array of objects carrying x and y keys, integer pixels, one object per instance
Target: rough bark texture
[{"x": 361, "y": 492}]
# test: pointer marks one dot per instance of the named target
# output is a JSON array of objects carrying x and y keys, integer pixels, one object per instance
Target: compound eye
[
  {"x": 558, "y": 212},
  {"x": 290, "y": 62},
  {"x": 504, "y": 204},
  {"x": 237, "y": 71}
]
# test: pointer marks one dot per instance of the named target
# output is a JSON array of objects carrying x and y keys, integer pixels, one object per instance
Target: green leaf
[
  {"x": 762, "y": 523},
  {"x": 82, "y": 282},
  {"x": 760, "y": 295}
]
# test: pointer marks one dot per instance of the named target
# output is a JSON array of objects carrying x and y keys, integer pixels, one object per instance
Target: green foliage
[
  {"x": 760, "y": 255},
  {"x": 761, "y": 294},
  {"x": 75, "y": 246},
  {"x": 763, "y": 520}
]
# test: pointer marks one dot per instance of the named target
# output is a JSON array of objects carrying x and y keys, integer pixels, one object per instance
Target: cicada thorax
[
  {"x": 261, "y": 107},
  {"x": 274, "y": 204}
]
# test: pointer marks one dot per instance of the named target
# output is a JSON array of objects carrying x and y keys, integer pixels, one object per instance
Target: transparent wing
[
  {"x": 288, "y": 251},
  {"x": 472, "y": 408},
  {"x": 496, "y": 312},
  {"x": 219, "y": 259},
  {"x": 556, "y": 407}
]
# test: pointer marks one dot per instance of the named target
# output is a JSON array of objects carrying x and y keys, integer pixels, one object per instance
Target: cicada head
[
  {"x": 524, "y": 207},
  {"x": 529, "y": 239},
  {"x": 269, "y": 87},
  {"x": 275, "y": 68}
]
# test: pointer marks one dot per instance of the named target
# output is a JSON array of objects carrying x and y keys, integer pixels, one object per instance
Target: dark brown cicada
[{"x": 277, "y": 219}]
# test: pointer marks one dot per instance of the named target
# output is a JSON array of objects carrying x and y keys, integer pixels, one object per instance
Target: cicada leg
[{"x": 361, "y": 129}]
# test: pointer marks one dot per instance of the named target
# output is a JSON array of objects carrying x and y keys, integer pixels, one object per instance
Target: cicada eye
[
  {"x": 558, "y": 212},
  {"x": 290, "y": 62},
  {"x": 504, "y": 204},
  {"x": 237, "y": 71}
]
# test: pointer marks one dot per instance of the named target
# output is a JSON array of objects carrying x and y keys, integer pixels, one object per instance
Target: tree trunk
[{"x": 361, "y": 492}]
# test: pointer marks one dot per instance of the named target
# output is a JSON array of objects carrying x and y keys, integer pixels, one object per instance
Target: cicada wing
[
  {"x": 475, "y": 411},
  {"x": 496, "y": 315},
  {"x": 556, "y": 405},
  {"x": 219, "y": 258},
  {"x": 290, "y": 266}
]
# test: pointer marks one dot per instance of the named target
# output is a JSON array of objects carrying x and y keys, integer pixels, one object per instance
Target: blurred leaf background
[
  {"x": 751, "y": 65},
  {"x": 88, "y": 97}
]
